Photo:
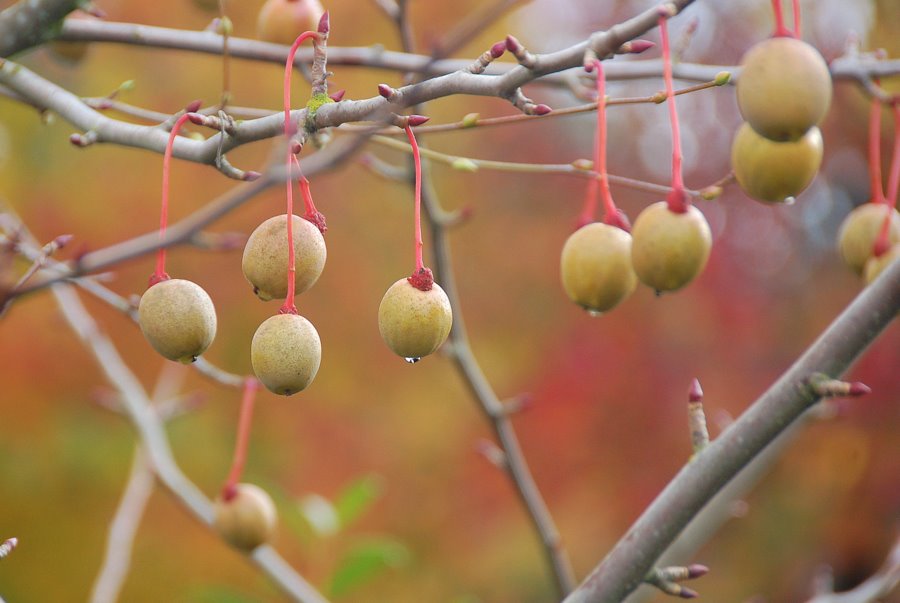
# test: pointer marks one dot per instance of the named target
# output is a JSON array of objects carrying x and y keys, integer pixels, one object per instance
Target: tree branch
[
  {"x": 635, "y": 554},
  {"x": 29, "y": 23},
  {"x": 153, "y": 439}
]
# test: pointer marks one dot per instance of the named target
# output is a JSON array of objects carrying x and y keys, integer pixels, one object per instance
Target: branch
[
  {"x": 633, "y": 556},
  {"x": 153, "y": 439},
  {"x": 29, "y": 23},
  {"x": 877, "y": 586},
  {"x": 493, "y": 408},
  {"x": 122, "y": 530}
]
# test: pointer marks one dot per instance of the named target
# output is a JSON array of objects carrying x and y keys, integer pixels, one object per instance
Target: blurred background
[{"x": 430, "y": 519}]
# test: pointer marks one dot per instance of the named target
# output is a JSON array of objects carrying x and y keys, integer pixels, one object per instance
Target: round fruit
[
  {"x": 265, "y": 260},
  {"x": 178, "y": 319},
  {"x": 596, "y": 267},
  {"x": 285, "y": 353},
  {"x": 875, "y": 265},
  {"x": 784, "y": 88},
  {"x": 669, "y": 249},
  {"x": 414, "y": 323},
  {"x": 773, "y": 171},
  {"x": 246, "y": 520},
  {"x": 859, "y": 231},
  {"x": 281, "y": 21}
]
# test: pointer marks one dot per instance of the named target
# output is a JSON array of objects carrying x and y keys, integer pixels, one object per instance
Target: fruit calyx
[
  {"x": 288, "y": 309},
  {"x": 229, "y": 492},
  {"x": 156, "y": 278},
  {"x": 318, "y": 219},
  {"x": 422, "y": 279},
  {"x": 618, "y": 219}
]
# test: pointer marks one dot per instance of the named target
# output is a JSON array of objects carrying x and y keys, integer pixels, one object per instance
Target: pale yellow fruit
[
  {"x": 876, "y": 265},
  {"x": 412, "y": 322},
  {"x": 281, "y": 21},
  {"x": 668, "y": 249},
  {"x": 248, "y": 519},
  {"x": 859, "y": 231},
  {"x": 773, "y": 171},
  {"x": 285, "y": 353},
  {"x": 265, "y": 260},
  {"x": 178, "y": 319},
  {"x": 596, "y": 267},
  {"x": 784, "y": 88}
]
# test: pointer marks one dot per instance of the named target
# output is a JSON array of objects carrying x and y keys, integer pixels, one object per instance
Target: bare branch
[
  {"x": 119, "y": 541},
  {"x": 877, "y": 586},
  {"x": 633, "y": 556},
  {"x": 153, "y": 439},
  {"x": 27, "y": 24}
]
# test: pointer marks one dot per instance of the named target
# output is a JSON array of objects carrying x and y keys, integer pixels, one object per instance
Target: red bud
[
  {"x": 337, "y": 96},
  {"x": 695, "y": 394},
  {"x": 417, "y": 120},
  {"x": 193, "y": 106},
  {"x": 541, "y": 110},
  {"x": 324, "y": 23},
  {"x": 498, "y": 49}
]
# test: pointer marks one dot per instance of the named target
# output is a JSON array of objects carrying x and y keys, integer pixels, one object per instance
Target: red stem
[
  {"x": 677, "y": 199},
  {"x": 796, "y": 7},
  {"x": 229, "y": 490},
  {"x": 894, "y": 174},
  {"x": 882, "y": 241},
  {"x": 288, "y": 307},
  {"x": 875, "y": 151},
  {"x": 780, "y": 30},
  {"x": 160, "y": 273},
  {"x": 417, "y": 160}
]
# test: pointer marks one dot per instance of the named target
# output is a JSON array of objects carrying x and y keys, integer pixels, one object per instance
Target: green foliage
[{"x": 364, "y": 562}]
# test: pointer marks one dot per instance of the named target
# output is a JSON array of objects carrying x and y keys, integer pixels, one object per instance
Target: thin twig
[
  {"x": 122, "y": 529},
  {"x": 153, "y": 440}
]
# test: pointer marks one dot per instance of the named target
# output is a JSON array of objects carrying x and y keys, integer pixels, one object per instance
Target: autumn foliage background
[{"x": 606, "y": 425}]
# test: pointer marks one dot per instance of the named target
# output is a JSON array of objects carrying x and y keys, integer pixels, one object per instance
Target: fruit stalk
[
  {"x": 417, "y": 161},
  {"x": 160, "y": 273},
  {"x": 229, "y": 490},
  {"x": 288, "y": 307},
  {"x": 781, "y": 31},
  {"x": 875, "y": 151},
  {"x": 677, "y": 199},
  {"x": 796, "y": 6},
  {"x": 894, "y": 174}
]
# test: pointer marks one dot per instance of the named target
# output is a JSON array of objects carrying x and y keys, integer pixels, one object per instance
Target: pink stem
[
  {"x": 243, "y": 436},
  {"x": 610, "y": 213},
  {"x": 780, "y": 30},
  {"x": 894, "y": 174},
  {"x": 288, "y": 307},
  {"x": 677, "y": 199},
  {"x": 160, "y": 273},
  {"x": 875, "y": 151},
  {"x": 417, "y": 160},
  {"x": 882, "y": 241}
]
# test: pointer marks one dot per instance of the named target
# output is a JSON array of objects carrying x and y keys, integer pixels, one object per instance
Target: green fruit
[
  {"x": 875, "y": 265},
  {"x": 596, "y": 267},
  {"x": 178, "y": 319},
  {"x": 285, "y": 353},
  {"x": 414, "y": 323},
  {"x": 265, "y": 260},
  {"x": 281, "y": 21},
  {"x": 859, "y": 231},
  {"x": 248, "y": 519},
  {"x": 668, "y": 249},
  {"x": 773, "y": 171},
  {"x": 784, "y": 88}
]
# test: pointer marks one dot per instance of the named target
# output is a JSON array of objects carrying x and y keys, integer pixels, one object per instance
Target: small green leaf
[
  {"x": 366, "y": 561},
  {"x": 358, "y": 497}
]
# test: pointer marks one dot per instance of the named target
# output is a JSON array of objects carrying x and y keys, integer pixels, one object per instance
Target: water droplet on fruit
[
  {"x": 593, "y": 313},
  {"x": 789, "y": 200},
  {"x": 412, "y": 360}
]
